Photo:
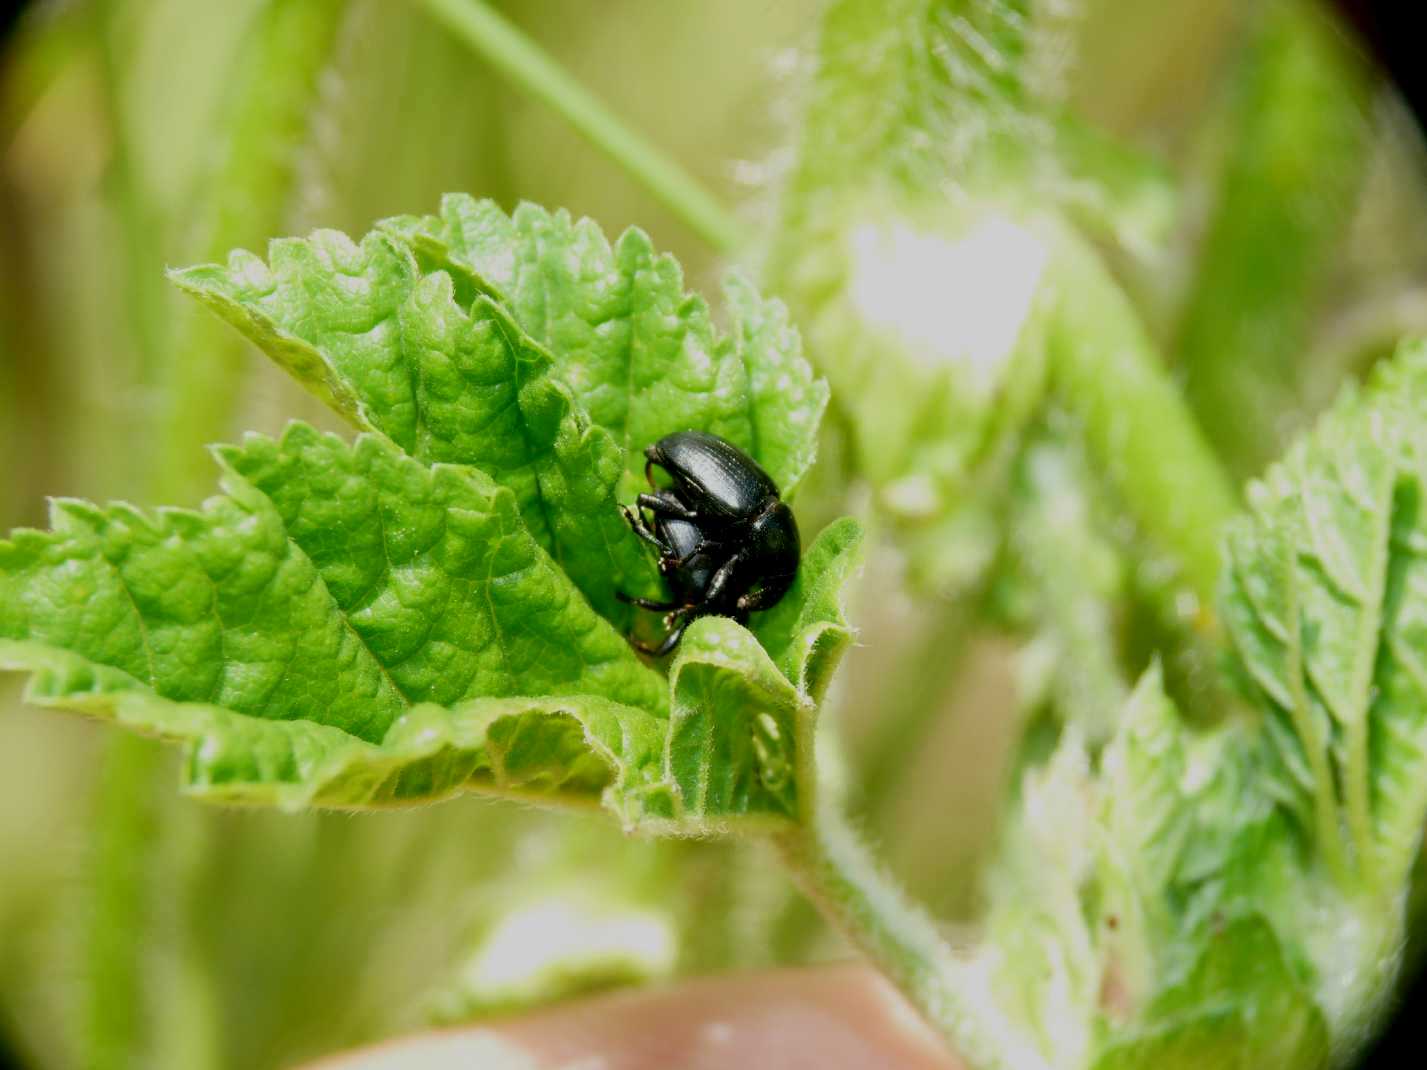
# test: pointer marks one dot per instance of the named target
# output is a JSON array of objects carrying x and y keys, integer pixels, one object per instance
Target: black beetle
[{"x": 728, "y": 545}]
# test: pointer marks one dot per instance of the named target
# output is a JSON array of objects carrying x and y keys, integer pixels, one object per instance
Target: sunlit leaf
[
  {"x": 642, "y": 354},
  {"x": 348, "y": 627},
  {"x": 392, "y": 351}
]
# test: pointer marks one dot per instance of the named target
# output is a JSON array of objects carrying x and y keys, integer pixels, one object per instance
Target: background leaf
[
  {"x": 1241, "y": 1006},
  {"x": 1145, "y": 912},
  {"x": 1326, "y": 600}
]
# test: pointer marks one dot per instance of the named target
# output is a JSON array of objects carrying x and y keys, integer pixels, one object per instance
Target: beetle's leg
[
  {"x": 665, "y": 645},
  {"x": 640, "y": 527},
  {"x": 647, "y": 603},
  {"x": 704, "y": 545},
  {"x": 666, "y": 503},
  {"x": 718, "y": 586},
  {"x": 680, "y": 617},
  {"x": 758, "y": 599},
  {"x": 671, "y": 640}
]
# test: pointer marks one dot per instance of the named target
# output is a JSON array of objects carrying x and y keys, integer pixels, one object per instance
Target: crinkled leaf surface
[
  {"x": 1154, "y": 912},
  {"x": 1241, "y": 1006},
  {"x": 641, "y": 354},
  {"x": 392, "y": 351},
  {"x": 432, "y": 609},
  {"x": 1326, "y": 600},
  {"x": 348, "y": 627}
]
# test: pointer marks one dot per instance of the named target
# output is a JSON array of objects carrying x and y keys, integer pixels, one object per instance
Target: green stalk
[
  {"x": 270, "y": 98},
  {"x": 9, "y": 420},
  {"x": 272, "y": 87},
  {"x": 144, "y": 289},
  {"x": 916, "y": 699},
  {"x": 502, "y": 44},
  {"x": 1298, "y": 147},
  {"x": 834, "y": 868},
  {"x": 1137, "y": 427},
  {"x": 116, "y": 1017}
]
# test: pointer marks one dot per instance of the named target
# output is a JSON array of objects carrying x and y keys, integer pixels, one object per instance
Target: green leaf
[
  {"x": 914, "y": 91},
  {"x": 392, "y": 351},
  {"x": 348, "y": 627},
  {"x": 1039, "y": 949},
  {"x": 1297, "y": 128},
  {"x": 1145, "y": 828},
  {"x": 922, "y": 246},
  {"x": 1158, "y": 911},
  {"x": 1326, "y": 601},
  {"x": 910, "y": 98},
  {"x": 1242, "y": 1005},
  {"x": 333, "y": 590},
  {"x": 807, "y": 632},
  {"x": 1072, "y": 582},
  {"x": 919, "y": 306},
  {"x": 741, "y": 727},
  {"x": 737, "y": 725},
  {"x": 642, "y": 355}
]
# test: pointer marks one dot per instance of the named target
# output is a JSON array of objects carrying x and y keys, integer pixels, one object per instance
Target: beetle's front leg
[
  {"x": 666, "y": 503},
  {"x": 640, "y": 527}
]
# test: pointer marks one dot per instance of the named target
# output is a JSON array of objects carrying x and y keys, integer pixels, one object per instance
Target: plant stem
[
  {"x": 115, "y": 1017},
  {"x": 128, "y": 821},
  {"x": 139, "y": 223},
  {"x": 269, "y": 103},
  {"x": 1297, "y": 154},
  {"x": 1137, "y": 427},
  {"x": 10, "y": 439},
  {"x": 273, "y": 82},
  {"x": 518, "y": 58},
  {"x": 837, "y": 872},
  {"x": 916, "y": 699}
]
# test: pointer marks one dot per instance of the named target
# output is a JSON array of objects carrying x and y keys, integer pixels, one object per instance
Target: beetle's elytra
[{"x": 728, "y": 544}]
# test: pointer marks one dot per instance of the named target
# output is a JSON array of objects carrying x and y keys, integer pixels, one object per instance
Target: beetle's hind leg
[{"x": 648, "y": 603}]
